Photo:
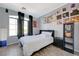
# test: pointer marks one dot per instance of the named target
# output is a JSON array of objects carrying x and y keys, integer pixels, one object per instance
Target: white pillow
[{"x": 47, "y": 33}]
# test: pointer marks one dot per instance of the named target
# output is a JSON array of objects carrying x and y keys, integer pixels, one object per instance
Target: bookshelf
[{"x": 69, "y": 37}]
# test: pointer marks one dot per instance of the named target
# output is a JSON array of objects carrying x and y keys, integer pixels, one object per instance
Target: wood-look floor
[
  {"x": 12, "y": 50},
  {"x": 16, "y": 50}
]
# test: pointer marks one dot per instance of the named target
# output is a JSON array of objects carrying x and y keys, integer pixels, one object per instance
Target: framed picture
[
  {"x": 59, "y": 17},
  {"x": 64, "y": 9},
  {"x": 34, "y": 23},
  {"x": 49, "y": 19},
  {"x": 75, "y": 12},
  {"x": 65, "y": 14},
  {"x": 57, "y": 12},
  {"x": 73, "y": 5}
]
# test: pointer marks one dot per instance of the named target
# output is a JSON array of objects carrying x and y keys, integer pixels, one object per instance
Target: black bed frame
[
  {"x": 48, "y": 31},
  {"x": 49, "y": 44}
]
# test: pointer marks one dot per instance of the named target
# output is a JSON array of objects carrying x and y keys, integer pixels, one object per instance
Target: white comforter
[{"x": 34, "y": 43}]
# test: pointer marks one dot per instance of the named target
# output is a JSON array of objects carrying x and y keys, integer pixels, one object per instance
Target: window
[
  {"x": 12, "y": 26},
  {"x": 26, "y": 26}
]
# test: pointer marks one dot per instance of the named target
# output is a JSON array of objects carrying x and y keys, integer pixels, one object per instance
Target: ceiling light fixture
[{"x": 23, "y": 8}]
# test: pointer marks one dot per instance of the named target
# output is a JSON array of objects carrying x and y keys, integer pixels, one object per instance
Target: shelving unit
[{"x": 69, "y": 37}]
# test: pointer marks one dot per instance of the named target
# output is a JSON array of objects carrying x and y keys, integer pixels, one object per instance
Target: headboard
[{"x": 48, "y": 31}]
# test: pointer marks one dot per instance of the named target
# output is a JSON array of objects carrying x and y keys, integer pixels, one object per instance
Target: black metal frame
[
  {"x": 67, "y": 49},
  {"x": 53, "y": 32}
]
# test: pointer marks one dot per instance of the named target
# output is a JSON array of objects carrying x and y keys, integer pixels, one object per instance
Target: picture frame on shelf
[
  {"x": 49, "y": 19},
  {"x": 74, "y": 12},
  {"x": 57, "y": 12},
  {"x": 59, "y": 17},
  {"x": 64, "y": 9},
  {"x": 65, "y": 14}
]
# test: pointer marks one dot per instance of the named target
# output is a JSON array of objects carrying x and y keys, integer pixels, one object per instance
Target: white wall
[
  {"x": 76, "y": 37},
  {"x": 4, "y": 23},
  {"x": 3, "y": 18},
  {"x": 53, "y": 26}
]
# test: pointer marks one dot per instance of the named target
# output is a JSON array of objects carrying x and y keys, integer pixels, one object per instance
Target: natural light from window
[
  {"x": 25, "y": 27},
  {"x": 12, "y": 26}
]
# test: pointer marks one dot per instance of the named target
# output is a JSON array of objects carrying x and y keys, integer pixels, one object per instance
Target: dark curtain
[
  {"x": 30, "y": 28},
  {"x": 20, "y": 24}
]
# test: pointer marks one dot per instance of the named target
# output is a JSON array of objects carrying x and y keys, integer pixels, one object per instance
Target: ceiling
[{"x": 35, "y": 9}]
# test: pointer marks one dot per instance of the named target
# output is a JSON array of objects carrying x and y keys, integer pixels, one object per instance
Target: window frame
[
  {"x": 16, "y": 29},
  {"x": 27, "y": 27}
]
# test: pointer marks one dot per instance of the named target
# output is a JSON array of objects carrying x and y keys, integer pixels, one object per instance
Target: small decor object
[
  {"x": 68, "y": 28},
  {"x": 6, "y": 10},
  {"x": 64, "y": 9},
  {"x": 68, "y": 20},
  {"x": 68, "y": 34},
  {"x": 65, "y": 14},
  {"x": 75, "y": 12},
  {"x": 57, "y": 12},
  {"x": 34, "y": 23},
  {"x": 58, "y": 17},
  {"x": 75, "y": 19},
  {"x": 49, "y": 19},
  {"x": 73, "y": 5}
]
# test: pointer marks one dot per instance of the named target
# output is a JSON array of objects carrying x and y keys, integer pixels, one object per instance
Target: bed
[{"x": 34, "y": 43}]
